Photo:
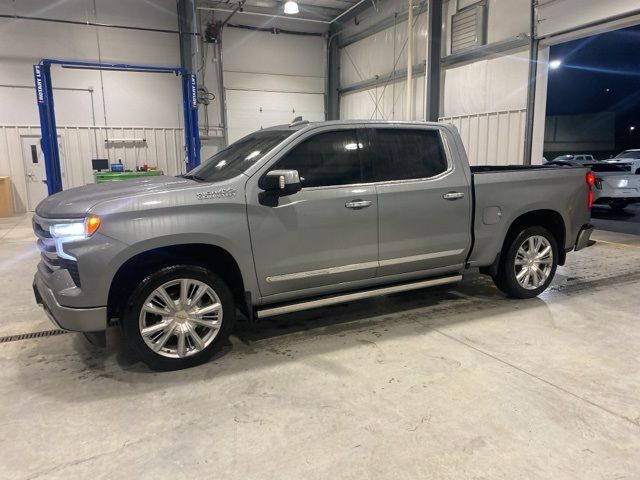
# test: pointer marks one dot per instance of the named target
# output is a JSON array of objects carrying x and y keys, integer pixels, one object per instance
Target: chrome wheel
[
  {"x": 180, "y": 318},
  {"x": 534, "y": 262}
]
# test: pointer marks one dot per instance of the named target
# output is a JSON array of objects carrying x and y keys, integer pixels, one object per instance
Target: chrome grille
[{"x": 48, "y": 255}]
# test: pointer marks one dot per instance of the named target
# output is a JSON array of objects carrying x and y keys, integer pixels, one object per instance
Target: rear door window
[
  {"x": 407, "y": 154},
  {"x": 329, "y": 158}
]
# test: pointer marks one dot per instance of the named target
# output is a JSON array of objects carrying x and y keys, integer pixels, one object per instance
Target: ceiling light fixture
[{"x": 291, "y": 8}]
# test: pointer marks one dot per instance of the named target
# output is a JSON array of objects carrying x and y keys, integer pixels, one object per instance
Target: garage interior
[{"x": 457, "y": 381}]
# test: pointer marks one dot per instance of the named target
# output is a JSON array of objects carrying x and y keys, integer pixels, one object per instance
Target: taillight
[{"x": 591, "y": 180}]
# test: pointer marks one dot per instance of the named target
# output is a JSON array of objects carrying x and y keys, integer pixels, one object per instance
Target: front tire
[
  {"x": 529, "y": 263},
  {"x": 178, "y": 317}
]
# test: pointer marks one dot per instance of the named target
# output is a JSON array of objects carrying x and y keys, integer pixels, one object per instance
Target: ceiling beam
[
  {"x": 252, "y": 11},
  {"x": 309, "y": 12},
  {"x": 351, "y": 13}
]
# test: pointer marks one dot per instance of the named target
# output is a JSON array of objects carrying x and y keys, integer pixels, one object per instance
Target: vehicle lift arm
[{"x": 44, "y": 96}]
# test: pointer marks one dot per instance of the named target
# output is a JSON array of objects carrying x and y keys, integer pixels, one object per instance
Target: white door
[
  {"x": 34, "y": 170},
  {"x": 249, "y": 111}
]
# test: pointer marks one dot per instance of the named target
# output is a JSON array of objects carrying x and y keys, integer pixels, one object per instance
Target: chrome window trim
[{"x": 447, "y": 152}]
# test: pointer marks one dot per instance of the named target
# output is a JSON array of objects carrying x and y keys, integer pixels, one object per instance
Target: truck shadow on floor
[
  {"x": 606, "y": 213},
  {"x": 310, "y": 336},
  {"x": 299, "y": 336}
]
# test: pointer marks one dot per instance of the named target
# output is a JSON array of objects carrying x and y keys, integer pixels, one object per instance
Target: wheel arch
[
  {"x": 142, "y": 264},
  {"x": 549, "y": 219},
  {"x": 552, "y": 220}
]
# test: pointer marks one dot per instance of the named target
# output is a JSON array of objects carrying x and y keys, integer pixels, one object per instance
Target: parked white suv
[{"x": 629, "y": 160}]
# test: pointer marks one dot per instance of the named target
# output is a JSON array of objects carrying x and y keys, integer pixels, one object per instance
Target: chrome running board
[{"x": 359, "y": 295}]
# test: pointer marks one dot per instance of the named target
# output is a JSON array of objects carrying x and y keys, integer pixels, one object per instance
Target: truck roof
[{"x": 300, "y": 124}]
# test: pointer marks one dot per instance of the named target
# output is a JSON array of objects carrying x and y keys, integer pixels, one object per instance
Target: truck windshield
[
  {"x": 237, "y": 157},
  {"x": 631, "y": 154}
]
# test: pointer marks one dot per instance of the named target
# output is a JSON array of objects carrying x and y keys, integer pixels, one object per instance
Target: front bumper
[
  {"x": 75, "y": 319},
  {"x": 584, "y": 236}
]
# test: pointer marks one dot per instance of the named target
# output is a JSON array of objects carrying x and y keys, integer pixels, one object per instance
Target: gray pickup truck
[{"x": 297, "y": 217}]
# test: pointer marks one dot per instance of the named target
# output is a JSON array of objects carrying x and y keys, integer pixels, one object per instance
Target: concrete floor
[
  {"x": 456, "y": 382},
  {"x": 627, "y": 221}
]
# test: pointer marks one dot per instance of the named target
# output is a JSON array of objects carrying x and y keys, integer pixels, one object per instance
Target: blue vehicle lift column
[{"x": 44, "y": 96}]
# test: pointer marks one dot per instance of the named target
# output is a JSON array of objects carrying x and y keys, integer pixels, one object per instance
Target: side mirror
[{"x": 282, "y": 182}]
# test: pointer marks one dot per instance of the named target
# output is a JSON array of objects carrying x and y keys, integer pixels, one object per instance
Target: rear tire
[
  {"x": 178, "y": 317},
  {"x": 528, "y": 264}
]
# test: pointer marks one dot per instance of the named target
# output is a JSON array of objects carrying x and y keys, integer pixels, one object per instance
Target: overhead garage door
[
  {"x": 248, "y": 111},
  {"x": 270, "y": 79}
]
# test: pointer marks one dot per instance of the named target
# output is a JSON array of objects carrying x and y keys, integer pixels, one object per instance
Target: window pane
[
  {"x": 239, "y": 156},
  {"x": 408, "y": 154},
  {"x": 330, "y": 158}
]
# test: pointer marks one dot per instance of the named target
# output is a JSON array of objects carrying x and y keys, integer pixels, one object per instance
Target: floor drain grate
[{"x": 29, "y": 336}]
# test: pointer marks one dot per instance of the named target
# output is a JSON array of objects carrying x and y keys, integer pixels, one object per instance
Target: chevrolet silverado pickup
[{"x": 297, "y": 217}]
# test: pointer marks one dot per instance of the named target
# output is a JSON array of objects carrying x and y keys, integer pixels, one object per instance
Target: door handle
[
  {"x": 453, "y": 195},
  {"x": 358, "y": 204}
]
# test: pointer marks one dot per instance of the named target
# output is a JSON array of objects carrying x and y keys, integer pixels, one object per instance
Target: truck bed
[
  {"x": 511, "y": 168},
  {"x": 504, "y": 193}
]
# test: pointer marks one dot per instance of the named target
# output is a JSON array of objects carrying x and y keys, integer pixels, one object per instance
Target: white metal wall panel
[
  {"x": 554, "y": 16},
  {"x": 382, "y": 103},
  {"x": 490, "y": 85},
  {"x": 164, "y": 148},
  {"x": 495, "y": 138},
  {"x": 371, "y": 16},
  {"x": 262, "y": 52},
  {"x": 248, "y": 111},
  {"x": 265, "y": 82},
  {"x": 131, "y": 98},
  {"x": 377, "y": 54}
]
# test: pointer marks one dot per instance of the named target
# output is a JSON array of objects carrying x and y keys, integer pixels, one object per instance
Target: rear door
[{"x": 424, "y": 201}]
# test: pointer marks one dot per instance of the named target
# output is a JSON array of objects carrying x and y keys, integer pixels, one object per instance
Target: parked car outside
[
  {"x": 614, "y": 186},
  {"x": 574, "y": 158},
  {"x": 629, "y": 160}
]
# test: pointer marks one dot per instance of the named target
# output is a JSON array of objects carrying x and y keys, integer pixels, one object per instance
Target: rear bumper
[
  {"x": 608, "y": 199},
  {"x": 582, "y": 240},
  {"x": 75, "y": 319}
]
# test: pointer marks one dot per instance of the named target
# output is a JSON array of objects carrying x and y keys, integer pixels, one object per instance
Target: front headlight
[
  {"x": 73, "y": 232},
  {"x": 64, "y": 230}
]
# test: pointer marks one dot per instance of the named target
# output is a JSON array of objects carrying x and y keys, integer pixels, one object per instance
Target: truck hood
[{"x": 76, "y": 202}]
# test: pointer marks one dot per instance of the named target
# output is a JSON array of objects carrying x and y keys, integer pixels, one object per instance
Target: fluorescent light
[
  {"x": 555, "y": 64},
  {"x": 291, "y": 8}
]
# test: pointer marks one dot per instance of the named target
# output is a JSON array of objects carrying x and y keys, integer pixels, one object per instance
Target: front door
[
  {"x": 327, "y": 233},
  {"x": 424, "y": 201}
]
